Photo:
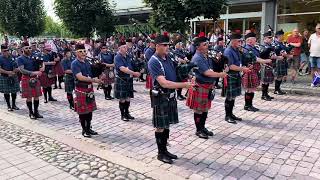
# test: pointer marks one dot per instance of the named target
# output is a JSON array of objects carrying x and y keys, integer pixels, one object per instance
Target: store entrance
[{"x": 253, "y": 24}]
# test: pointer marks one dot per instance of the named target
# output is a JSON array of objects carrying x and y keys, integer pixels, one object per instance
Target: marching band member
[{"x": 68, "y": 77}]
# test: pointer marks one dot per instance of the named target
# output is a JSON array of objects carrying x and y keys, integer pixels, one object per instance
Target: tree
[
  {"x": 173, "y": 15},
  {"x": 84, "y": 17},
  {"x": 23, "y": 17},
  {"x": 56, "y": 29}
]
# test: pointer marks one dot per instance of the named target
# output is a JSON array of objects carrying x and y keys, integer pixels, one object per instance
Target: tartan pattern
[
  {"x": 149, "y": 84},
  {"x": 281, "y": 68},
  {"x": 58, "y": 69},
  {"x": 165, "y": 113},
  {"x": 69, "y": 84},
  {"x": 250, "y": 80},
  {"x": 123, "y": 88},
  {"x": 107, "y": 80},
  {"x": 80, "y": 104},
  {"x": 45, "y": 81},
  {"x": 233, "y": 88},
  {"x": 198, "y": 97},
  {"x": 6, "y": 86},
  {"x": 27, "y": 91},
  {"x": 267, "y": 75}
]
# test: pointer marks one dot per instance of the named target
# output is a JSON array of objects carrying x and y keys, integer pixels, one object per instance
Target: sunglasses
[
  {"x": 104, "y": 48},
  {"x": 27, "y": 48},
  {"x": 82, "y": 51}
]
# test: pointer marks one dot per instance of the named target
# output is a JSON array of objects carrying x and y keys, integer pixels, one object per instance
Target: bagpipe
[
  {"x": 37, "y": 62},
  {"x": 97, "y": 67}
]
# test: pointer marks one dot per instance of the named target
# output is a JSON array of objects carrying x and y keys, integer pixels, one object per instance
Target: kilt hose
[
  {"x": 198, "y": 97},
  {"x": 9, "y": 84},
  {"x": 69, "y": 84},
  {"x": 267, "y": 75},
  {"x": 109, "y": 77},
  {"x": 250, "y": 80},
  {"x": 281, "y": 68},
  {"x": 45, "y": 81},
  {"x": 233, "y": 84},
  {"x": 81, "y": 106},
  {"x": 123, "y": 88},
  {"x": 57, "y": 69},
  {"x": 27, "y": 91},
  {"x": 149, "y": 82},
  {"x": 165, "y": 112}
]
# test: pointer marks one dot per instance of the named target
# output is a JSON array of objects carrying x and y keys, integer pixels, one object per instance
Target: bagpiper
[
  {"x": 9, "y": 83},
  {"x": 148, "y": 54},
  {"x": 69, "y": 85}
]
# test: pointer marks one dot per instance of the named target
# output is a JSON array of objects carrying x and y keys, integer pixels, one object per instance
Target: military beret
[
  {"x": 129, "y": 40},
  {"x": 121, "y": 43},
  {"x": 220, "y": 39},
  {"x": 267, "y": 34},
  {"x": 279, "y": 33},
  {"x": 3, "y": 46},
  {"x": 197, "y": 41},
  {"x": 249, "y": 35},
  {"x": 79, "y": 46},
  {"x": 235, "y": 36},
  {"x": 162, "y": 39}
]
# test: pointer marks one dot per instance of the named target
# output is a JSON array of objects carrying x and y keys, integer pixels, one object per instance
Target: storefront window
[
  {"x": 298, "y": 6},
  {"x": 245, "y": 8}
]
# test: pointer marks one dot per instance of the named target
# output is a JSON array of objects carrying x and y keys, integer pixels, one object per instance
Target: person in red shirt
[{"x": 295, "y": 40}]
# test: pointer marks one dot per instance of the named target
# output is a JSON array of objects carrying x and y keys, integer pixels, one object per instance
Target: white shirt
[{"x": 314, "y": 41}]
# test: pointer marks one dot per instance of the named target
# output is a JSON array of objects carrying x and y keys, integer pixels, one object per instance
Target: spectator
[
  {"x": 314, "y": 44},
  {"x": 305, "y": 54},
  {"x": 294, "y": 63}
]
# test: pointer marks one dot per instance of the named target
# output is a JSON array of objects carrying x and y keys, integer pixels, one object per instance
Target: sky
[{"x": 121, "y": 4}]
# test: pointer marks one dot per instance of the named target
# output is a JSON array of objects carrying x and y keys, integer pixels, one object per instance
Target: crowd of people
[{"x": 167, "y": 64}]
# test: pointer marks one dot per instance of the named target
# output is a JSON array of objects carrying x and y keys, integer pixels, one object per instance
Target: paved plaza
[{"x": 279, "y": 142}]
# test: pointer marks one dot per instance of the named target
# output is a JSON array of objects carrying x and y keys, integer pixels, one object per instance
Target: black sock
[
  {"x": 105, "y": 91},
  {"x": 70, "y": 99},
  {"x": 109, "y": 90},
  {"x": 197, "y": 121},
  {"x": 36, "y": 106},
  {"x": 227, "y": 107},
  {"x": 251, "y": 98},
  {"x": 122, "y": 107},
  {"x": 179, "y": 91},
  {"x": 127, "y": 105},
  {"x": 204, "y": 116},
  {"x": 82, "y": 119},
  {"x": 49, "y": 89},
  {"x": 29, "y": 105},
  {"x": 160, "y": 139},
  {"x": 13, "y": 97},
  {"x": 60, "y": 78},
  {"x": 7, "y": 98},
  {"x": 45, "y": 93},
  {"x": 247, "y": 99},
  {"x": 280, "y": 85}
]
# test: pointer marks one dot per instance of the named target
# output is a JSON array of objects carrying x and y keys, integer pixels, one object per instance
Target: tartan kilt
[
  {"x": 9, "y": 84},
  {"x": 149, "y": 82},
  {"x": 250, "y": 80},
  {"x": 281, "y": 68},
  {"x": 27, "y": 91},
  {"x": 233, "y": 88},
  {"x": 198, "y": 97},
  {"x": 108, "y": 80},
  {"x": 80, "y": 104},
  {"x": 123, "y": 88},
  {"x": 57, "y": 68},
  {"x": 45, "y": 81},
  {"x": 165, "y": 113},
  {"x": 267, "y": 75},
  {"x": 69, "y": 84}
]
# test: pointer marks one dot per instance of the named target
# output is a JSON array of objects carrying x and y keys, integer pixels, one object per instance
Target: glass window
[
  {"x": 245, "y": 8},
  {"x": 289, "y": 22},
  {"x": 298, "y": 6}
]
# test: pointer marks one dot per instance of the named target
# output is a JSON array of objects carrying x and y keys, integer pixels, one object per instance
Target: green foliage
[
  {"x": 22, "y": 17},
  {"x": 173, "y": 15},
  {"x": 56, "y": 29},
  {"x": 84, "y": 17}
]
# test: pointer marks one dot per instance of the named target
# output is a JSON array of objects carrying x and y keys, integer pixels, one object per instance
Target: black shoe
[
  {"x": 10, "y": 109},
  {"x": 32, "y": 116},
  {"x": 249, "y": 108},
  {"x": 71, "y": 107},
  {"x": 45, "y": 101},
  {"x": 171, "y": 156},
  {"x": 279, "y": 92},
  {"x": 92, "y": 132},
  {"x": 37, "y": 115},
  {"x": 202, "y": 135},
  {"x": 124, "y": 118},
  {"x": 230, "y": 120},
  {"x": 265, "y": 98},
  {"x": 207, "y": 132},
  {"x": 270, "y": 97},
  {"x": 235, "y": 117},
  {"x": 134, "y": 91},
  {"x": 164, "y": 158},
  {"x": 128, "y": 116},
  {"x": 86, "y": 134},
  {"x": 256, "y": 109},
  {"x": 14, "y": 107},
  {"x": 52, "y": 99}
]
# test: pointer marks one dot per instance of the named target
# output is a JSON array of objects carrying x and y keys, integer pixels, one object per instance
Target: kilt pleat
[
  {"x": 149, "y": 82},
  {"x": 233, "y": 88},
  {"x": 45, "y": 81},
  {"x": 9, "y": 84},
  {"x": 281, "y": 68},
  {"x": 250, "y": 80},
  {"x": 69, "y": 84},
  {"x": 123, "y": 88},
  {"x": 165, "y": 113},
  {"x": 58, "y": 69},
  {"x": 108, "y": 79},
  {"x": 267, "y": 75},
  {"x": 198, "y": 97},
  {"x": 80, "y": 103},
  {"x": 27, "y": 91}
]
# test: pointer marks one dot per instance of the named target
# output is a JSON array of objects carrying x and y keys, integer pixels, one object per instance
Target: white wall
[{"x": 127, "y": 4}]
